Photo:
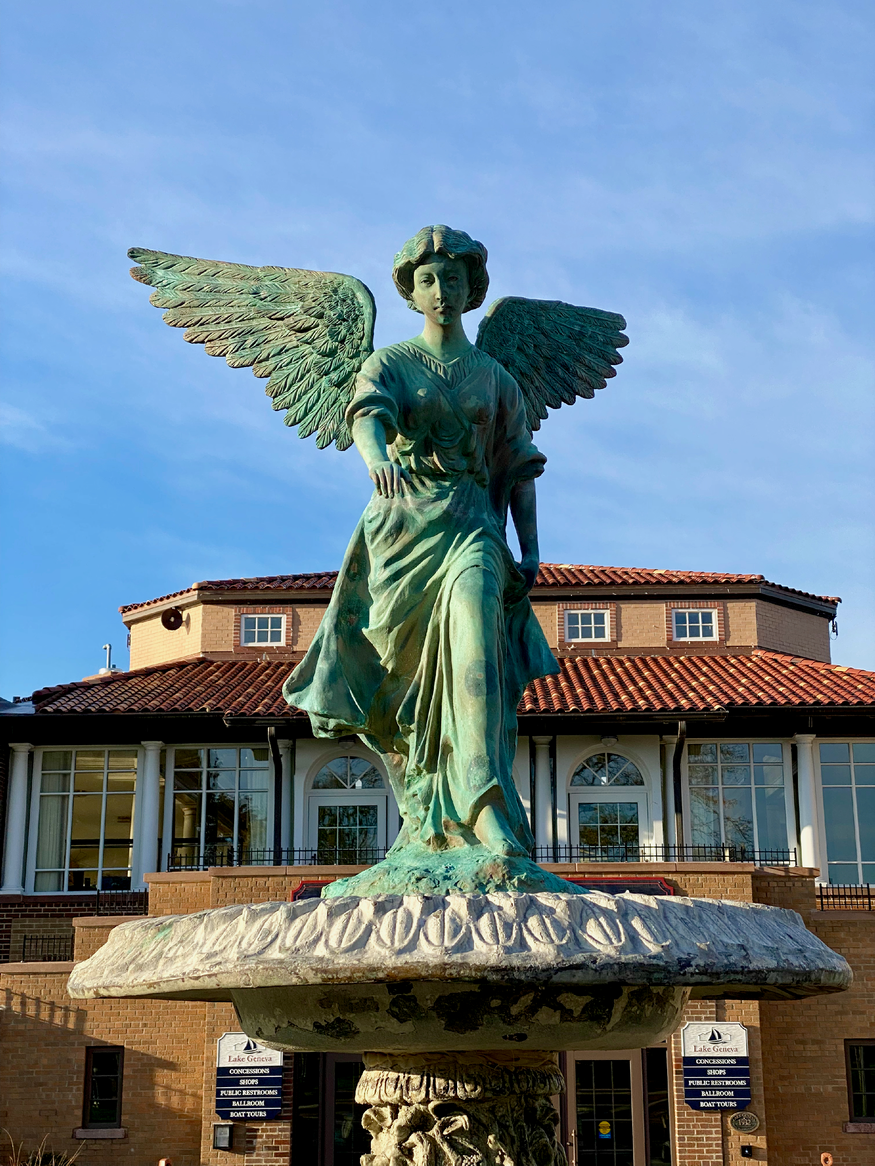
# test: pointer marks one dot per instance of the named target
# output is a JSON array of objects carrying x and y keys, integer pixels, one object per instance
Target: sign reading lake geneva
[
  {"x": 716, "y": 1065},
  {"x": 249, "y": 1079}
]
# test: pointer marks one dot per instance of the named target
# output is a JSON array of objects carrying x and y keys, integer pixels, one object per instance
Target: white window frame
[
  {"x": 825, "y": 864},
  {"x": 169, "y": 773},
  {"x": 280, "y": 643},
  {"x": 789, "y": 800},
  {"x": 366, "y": 797},
  {"x": 686, "y": 612},
  {"x": 605, "y": 611},
  {"x": 34, "y": 812},
  {"x": 590, "y": 794}
]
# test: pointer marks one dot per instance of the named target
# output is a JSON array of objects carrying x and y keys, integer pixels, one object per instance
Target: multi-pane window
[
  {"x": 102, "y": 1108},
  {"x": 86, "y": 820},
  {"x": 347, "y": 834},
  {"x": 587, "y": 625},
  {"x": 348, "y": 812},
  {"x": 861, "y": 1079},
  {"x": 737, "y": 796},
  {"x": 607, "y": 769},
  {"x": 694, "y": 625},
  {"x": 847, "y": 773},
  {"x": 348, "y": 773},
  {"x": 261, "y": 629},
  {"x": 220, "y": 804},
  {"x": 608, "y": 827}
]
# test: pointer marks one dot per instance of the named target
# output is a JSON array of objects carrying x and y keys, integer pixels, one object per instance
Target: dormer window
[
  {"x": 586, "y": 626},
  {"x": 698, "y": 624},
  {"x": 262, "y": 629}
]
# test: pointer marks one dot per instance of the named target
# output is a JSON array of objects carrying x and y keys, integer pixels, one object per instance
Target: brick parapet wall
[
  {"x": 178, "y": 892},
  {"x": 44, "y": 1036},
  {"x": 806, "y": 1083},
  {"x": 47, "y": 915},
  {"x": 91, "y": 933}
]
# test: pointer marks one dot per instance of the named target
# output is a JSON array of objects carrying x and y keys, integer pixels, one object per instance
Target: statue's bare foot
[{"x": 493, "y": 830}]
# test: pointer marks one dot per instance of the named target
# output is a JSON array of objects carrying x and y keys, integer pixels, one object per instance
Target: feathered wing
[
  {"x": 309, "y": 332},
  {"x": 556, "y": 352}
]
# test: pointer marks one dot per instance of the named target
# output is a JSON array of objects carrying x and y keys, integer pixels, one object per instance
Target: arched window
[
  {"x": 348, "y": 773},
  {"x": 607, "y": 769},
  {"x": 608, "y": 812},
  {"x": 347, "y": 812}
]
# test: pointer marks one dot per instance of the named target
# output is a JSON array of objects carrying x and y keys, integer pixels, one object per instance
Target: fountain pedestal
[{"x": 461, "y": 1109}]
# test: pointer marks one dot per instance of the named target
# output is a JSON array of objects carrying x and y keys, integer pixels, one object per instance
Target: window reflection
[{"x": 736, "y": 794}]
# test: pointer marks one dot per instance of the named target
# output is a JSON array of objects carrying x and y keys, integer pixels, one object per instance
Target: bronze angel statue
[{"x": 430, "y": 638}]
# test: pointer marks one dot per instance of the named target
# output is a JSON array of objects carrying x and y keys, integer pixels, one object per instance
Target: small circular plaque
[{"x": 744, "y": 1122}]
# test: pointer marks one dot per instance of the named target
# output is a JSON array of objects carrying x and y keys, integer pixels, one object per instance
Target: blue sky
[{"x": 704, "y": 169}]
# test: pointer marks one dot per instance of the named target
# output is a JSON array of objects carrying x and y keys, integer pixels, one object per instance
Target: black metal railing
[
  {"x": 632, "y": 852},
  {"x": 47, "y": 948},
  {"x": 121, "y": 903},
  {"x": 846, "y": 897},
  {"x": 189, "y": 858}
]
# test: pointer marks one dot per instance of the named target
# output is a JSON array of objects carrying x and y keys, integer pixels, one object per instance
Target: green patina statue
[{"x": 429, "y": 639}]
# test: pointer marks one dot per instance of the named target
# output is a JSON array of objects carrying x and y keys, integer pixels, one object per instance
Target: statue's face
[{"x": 440, "y": 289}]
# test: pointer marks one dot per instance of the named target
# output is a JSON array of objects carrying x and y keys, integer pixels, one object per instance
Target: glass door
[
  {"x": 326, "y": 1122},
  {"x": 618, "y": 1108}
]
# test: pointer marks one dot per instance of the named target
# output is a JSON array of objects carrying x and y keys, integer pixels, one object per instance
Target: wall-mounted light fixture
[{"x": 223, "y": 1135}]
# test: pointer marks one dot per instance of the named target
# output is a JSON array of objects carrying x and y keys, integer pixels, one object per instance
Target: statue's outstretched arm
[
  {"x": 524, "y": 514},
  {"x": 369, "y": 435}
]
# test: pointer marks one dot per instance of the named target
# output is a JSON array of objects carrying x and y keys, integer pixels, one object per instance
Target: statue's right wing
[{"x": 308, "y": 331}]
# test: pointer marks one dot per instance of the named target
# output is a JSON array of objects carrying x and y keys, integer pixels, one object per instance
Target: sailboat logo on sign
[{"x": 720, "y": 1040}]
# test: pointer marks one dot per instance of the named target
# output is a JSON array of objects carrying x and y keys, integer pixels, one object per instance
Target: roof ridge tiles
[
  {"x": 550, "y": 575},
  {"x": 585, "y": 684}
]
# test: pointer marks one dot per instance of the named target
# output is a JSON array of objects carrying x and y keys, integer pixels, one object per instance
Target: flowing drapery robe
[{"x": 430, "y": 639}]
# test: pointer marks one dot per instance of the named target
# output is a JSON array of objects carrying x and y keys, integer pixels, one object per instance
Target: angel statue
[{"x": 430, "y": 638}]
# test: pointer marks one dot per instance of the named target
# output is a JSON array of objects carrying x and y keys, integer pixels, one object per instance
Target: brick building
[{"x": 697, "y": 741}]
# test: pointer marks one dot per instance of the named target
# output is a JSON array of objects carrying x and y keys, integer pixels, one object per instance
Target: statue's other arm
[
  {"x": 369, "y": 435},
  {"x": 523, "y": 511}
]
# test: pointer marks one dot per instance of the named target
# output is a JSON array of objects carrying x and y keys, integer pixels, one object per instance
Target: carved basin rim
[{"x": 715, "y": 947}]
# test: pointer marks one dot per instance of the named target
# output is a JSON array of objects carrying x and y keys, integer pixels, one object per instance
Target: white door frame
[{"x": 635, "y": 1059}]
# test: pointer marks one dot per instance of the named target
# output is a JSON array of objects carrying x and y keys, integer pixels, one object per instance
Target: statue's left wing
[
  {"x": 308, "y": 331},
  {"x": 556, "y": 352}
]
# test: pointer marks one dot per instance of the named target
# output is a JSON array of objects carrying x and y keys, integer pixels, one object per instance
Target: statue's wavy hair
[{"x": 440, "y": 240}]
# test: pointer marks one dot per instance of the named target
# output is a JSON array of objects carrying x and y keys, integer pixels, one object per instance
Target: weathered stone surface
[
  {"x": 490, "y": 1109},
  {"x": 714, "y": 947},
  {"x": 432, "y": 1015}
]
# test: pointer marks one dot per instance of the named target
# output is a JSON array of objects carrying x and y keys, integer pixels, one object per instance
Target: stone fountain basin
[{"x": 438, "y": 972}]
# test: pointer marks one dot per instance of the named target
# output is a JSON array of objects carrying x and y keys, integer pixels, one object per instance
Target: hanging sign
[
  {"x": 716, "y": 1065},
  {"x": 249, "y": 1079}
]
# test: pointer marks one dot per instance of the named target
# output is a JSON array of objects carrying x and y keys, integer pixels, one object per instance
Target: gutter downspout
[
  {"x": 677, "y": 785},
  {"x": 277, "y": 760}
]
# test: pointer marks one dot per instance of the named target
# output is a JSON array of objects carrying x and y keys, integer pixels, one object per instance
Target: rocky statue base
[
  {"x": 458, "y": 1109},
  {"x": 415, "y": 869}
]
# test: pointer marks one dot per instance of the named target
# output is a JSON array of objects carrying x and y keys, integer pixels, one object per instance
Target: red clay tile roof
[
  {"x": 586, "y": 684},
  {"x": 550, "y": 575}
]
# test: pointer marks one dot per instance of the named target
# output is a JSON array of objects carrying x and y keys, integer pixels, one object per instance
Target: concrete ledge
[
  {"x": 858, "y": 1127},
  {"x": 104, "y": 920},
  {"x": 34, "y": 968},
  {"x": 88, "y": 1135}
]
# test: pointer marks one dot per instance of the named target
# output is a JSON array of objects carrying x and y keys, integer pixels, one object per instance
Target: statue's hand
[
  {"x": 529, "y": 570},
  {"x": 389, "y": 478}
]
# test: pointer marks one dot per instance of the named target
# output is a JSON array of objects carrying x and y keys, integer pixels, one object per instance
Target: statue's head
[{"x": 439, "y": 240}]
